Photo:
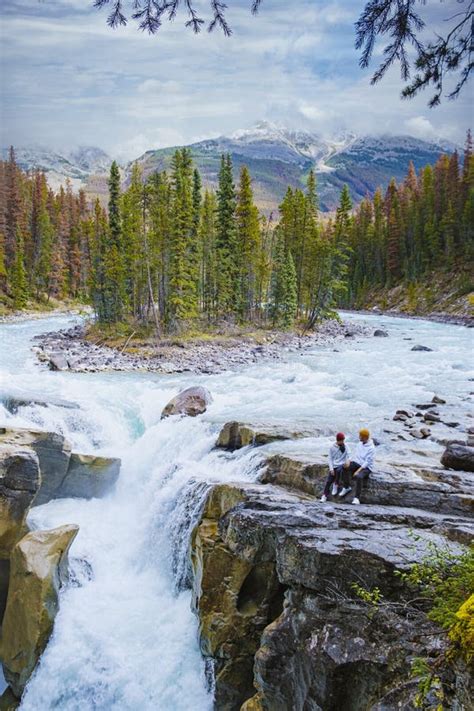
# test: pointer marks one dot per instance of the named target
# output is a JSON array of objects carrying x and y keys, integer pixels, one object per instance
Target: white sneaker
[
  {"x": 355, "y": 500},
  {"x": 334, "y": 490},
  {"x": 323, "y": 498},
  {"x": 345, "y": 491}
]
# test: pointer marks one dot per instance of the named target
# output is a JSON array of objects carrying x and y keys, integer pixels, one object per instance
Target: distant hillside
[
  {"x": 279, "y": 157},
  {"x": 276, "y": 157}
]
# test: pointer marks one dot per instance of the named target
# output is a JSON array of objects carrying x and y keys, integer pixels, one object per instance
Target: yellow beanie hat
[{"x": 364, "y": 432}]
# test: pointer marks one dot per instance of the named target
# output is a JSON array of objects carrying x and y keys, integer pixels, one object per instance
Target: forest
[{"x": 168, "y": 252}]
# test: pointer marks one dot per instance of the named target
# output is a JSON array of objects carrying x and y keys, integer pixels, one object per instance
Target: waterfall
[{"x": 125, "y": 637}]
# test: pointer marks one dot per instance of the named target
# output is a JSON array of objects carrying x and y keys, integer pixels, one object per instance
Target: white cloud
[
  {"x": 74, "y": 80},
  {"x": 420, "y": 127}
]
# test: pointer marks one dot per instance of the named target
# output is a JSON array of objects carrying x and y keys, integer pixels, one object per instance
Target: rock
[
  {"x": 380, "y": 332},
  {"x": 422, "y": 348},
  {"x": 57, "y": 361},
  {"x": 53, "y": 453},
  {"x": 192, "y": 401},
  {"x": 63, "y": 474},
  {"x": 424, "y": 406},
  {"x": 20, "y": 480},
  {"x": 272, "y": 588},
  {"x": 406, "y": 413},
  {"x": 438, "y": 400},
  {"x": 88, "y": 477},
  {"x": 235, "y": 435},
  {"x": 431, "y": 417},
  {"x": 459, "y": 457},
  {"x": 38, "y": 569},
  {"x": 8, "y": 701},
  {"x": 13, "y": 400},
  {"x": 432, "y": 489}
]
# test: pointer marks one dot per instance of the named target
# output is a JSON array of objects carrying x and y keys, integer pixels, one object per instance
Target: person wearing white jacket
[
  {"x": 360, "y": 466},
  {"x": 338, "y": 459}
]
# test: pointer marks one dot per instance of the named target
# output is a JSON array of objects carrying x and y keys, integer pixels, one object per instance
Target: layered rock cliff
[{"x": 274, "y": 580}]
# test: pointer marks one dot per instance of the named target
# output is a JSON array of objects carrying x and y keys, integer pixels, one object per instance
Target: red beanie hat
[{"x": 340, "y": 435}]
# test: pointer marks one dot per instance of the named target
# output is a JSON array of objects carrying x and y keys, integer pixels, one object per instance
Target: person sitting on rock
[
  {"x": 338, "y": 459},
  {"x": 360, "y": 467}
]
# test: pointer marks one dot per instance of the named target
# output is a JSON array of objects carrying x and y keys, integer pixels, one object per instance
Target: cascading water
[{"x": 125, "y": 637}]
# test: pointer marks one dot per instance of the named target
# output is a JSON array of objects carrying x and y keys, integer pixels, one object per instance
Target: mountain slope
[
  {"x": 276, "y": 157},
  {"x": 279, "y": 157}
]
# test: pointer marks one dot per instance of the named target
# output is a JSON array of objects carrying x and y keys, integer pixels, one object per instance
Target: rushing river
[{"x": 125, "y": 637}]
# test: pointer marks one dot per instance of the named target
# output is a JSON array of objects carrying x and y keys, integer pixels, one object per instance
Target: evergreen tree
[
  {"x": 283, "y": 303},
  {"x": 19, "y": 276},
  {"x": 247, "y": 245},
  {"x": 227, "y": 272}
]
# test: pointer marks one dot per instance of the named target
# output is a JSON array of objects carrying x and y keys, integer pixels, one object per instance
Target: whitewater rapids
[{"x": 125, "y": 637}]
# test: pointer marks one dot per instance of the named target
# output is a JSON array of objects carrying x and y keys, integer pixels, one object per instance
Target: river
[{"x": 125, "y": 637}]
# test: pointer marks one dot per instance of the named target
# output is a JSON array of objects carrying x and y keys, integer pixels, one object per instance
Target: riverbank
[
  {"x": 440, "y": 317},
  {"x": 73, "y": 350},
  {"x": 57, "y": 309}
]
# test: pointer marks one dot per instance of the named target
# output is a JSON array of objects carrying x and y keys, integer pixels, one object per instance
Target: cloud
[
  {"x": 420, "y": 127},
  {"x": 71, "y": 79}
]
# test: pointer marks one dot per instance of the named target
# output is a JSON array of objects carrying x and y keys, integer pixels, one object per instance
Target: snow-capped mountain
[
  {"x": 275, "y": 155},
  {"x": 267, "y": 140},
  {"x": 279, "y": 156},
  {"x": 76, "y": 166}
]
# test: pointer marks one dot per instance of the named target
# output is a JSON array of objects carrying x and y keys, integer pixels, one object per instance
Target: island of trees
[{"x": 167, "y": 253}]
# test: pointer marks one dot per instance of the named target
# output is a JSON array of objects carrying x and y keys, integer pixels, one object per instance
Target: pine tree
[
  {"x": 114, "y": 278},
  {"x": 247, "y": 245},
  {"x": 283, "y": 300},
  {"x": 19, "y": 276},
  {"x": 182, "y": 301},
  {"x": 227, "y": 274}
]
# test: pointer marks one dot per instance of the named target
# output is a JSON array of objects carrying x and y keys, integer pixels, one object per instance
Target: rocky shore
[{"x": 69, "y": 350}]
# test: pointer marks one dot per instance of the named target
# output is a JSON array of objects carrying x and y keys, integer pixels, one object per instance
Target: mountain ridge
[{"x": 276, "y": 156}]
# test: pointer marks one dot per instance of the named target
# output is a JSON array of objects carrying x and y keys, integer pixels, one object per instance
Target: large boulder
[
  {"x": 235, "y": 435},
  {"x": 273, "y": 590},
  {"x": 459, "y": 457},
  {"x": 432, "y": 489},
  {"x": 12, "y": 400},
  {"x": 19, "y": 483},
  {"x": 89, "y": 476},
  {"x": 64, "y": 474},
  {"x": 38, "y": 569},
  {"x": 192, "y": 401},
  {"x": 53, "y": 451}
]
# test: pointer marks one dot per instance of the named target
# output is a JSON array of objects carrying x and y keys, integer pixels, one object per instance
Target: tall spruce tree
[{"x": 226, "y": 238}]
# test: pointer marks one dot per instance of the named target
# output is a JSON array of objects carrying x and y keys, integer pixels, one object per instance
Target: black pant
[
  {"x": 359, "y": 478},
  {"x": 333, "y": 478}
]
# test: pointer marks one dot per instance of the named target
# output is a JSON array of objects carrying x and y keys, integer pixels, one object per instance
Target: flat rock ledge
[
  {"x": 68, "y": 350},
  {"x": 431, "y": 488},
  {"x": 235, "y": 435},
  {"x": 273, "y": 572},
  {"x": 64, "y": 473}
]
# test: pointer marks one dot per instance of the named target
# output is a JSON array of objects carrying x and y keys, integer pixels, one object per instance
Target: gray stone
[
  {"x": 278, "y": 616},
  {"x": 421, "y": 348},
  {"x": 192, "y": 401},
  {"x": 19, "y": 483},
  {"x": 89, "y": 477},
  {"x": 57, "y": 361},
  {"x": 438, "y": 400},
  {"x": 459, "y": 457},
  {"x": 235, "y": 435},
  {"x": 63, "y": 474},
  {"x": 12, "y": 400},
  {"x": 432, "y": 489},
  {"x": 381, "y": 333}
]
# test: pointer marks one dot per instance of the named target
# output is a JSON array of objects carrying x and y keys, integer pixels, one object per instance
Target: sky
[{"x": 67, "y": 79}]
